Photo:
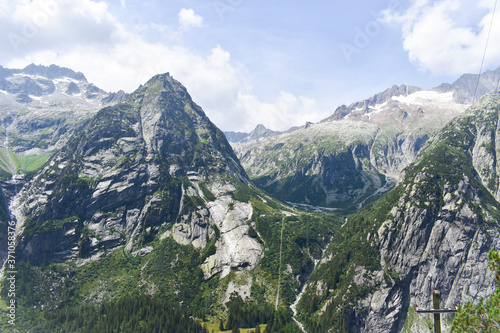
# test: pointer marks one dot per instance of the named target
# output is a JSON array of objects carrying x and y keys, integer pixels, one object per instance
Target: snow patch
[
  {"x": 65, "y": 80},
  {"x": 424, "y": 97},
  {"x": 377, "y": 108}
]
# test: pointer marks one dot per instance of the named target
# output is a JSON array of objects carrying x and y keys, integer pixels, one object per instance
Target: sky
[{"x": 248, "y": 62}]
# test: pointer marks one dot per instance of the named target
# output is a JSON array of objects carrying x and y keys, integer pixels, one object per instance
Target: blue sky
[{"x": 280, "y": 63}]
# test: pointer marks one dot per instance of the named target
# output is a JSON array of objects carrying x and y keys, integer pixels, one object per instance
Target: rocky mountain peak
[
  {"x": 259, "y": 132},
  {"x": 53, "y": 72},
  {"x": 363, "y": 107},
  {"x": 151, "y": 164},
  {"x": 166, "y": 84},
  {"x": 465, "y": 86},
  {"x": 259, "y": 128}
]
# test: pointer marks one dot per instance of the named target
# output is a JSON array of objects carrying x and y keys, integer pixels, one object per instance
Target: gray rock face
[
  {"x": 149, "y": 166},
  {"x": 447, "y": 251},
  {"x": 443, "y": 241},
  {"x": 235, "y": 248}
]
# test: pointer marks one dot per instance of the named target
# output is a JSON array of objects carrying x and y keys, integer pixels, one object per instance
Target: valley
[{"x": 129, "y": 203}]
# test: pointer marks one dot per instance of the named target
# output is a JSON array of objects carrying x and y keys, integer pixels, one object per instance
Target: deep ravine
[{"x": 304, "y": 286}]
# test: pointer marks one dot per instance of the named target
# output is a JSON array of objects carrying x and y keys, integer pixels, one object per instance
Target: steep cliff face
[
  {"x": 150, "y": 166},
  {"x": 434, "y": 230}
]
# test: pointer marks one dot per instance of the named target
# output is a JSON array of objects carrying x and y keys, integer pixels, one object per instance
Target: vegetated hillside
[
  {"x": 149, "y": 199},
  {"x": 357, "y": 154},
  {"x": 42, "y": 107},
  {"x": 433, "y": 230}
]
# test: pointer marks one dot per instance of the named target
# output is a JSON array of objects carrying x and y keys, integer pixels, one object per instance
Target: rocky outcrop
[
  {"x": 235, "y": 248},
  {"x": 447, "y": 251}
]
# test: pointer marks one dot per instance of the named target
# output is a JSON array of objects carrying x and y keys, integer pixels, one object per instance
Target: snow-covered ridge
[{"x": 426, "y": 97}]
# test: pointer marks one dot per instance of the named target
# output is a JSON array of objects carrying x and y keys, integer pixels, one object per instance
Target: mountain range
[
  {"x": 42, "y": 107},
  {"x": 358, "y": 153},
  {"x": 117, "y": 197}
]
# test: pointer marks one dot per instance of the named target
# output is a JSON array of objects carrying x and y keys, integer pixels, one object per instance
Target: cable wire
[{"x": 484, "y": 54}]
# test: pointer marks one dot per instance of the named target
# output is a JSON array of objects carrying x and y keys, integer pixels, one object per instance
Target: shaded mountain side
[
  {"x": 434, "y": 230},
  {"x": 4, "y": 224}
]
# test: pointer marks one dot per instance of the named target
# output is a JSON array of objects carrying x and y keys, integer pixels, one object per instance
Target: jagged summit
[
  {"x": 259, "y": 132},
  {"x": 52, "y": 72},
  {"x": 360, "y": 151},
  {"x": 364, "y": 106},
  {"x": 166, "y": 86}
]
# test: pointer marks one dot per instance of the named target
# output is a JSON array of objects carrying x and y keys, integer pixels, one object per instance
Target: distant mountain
[
  {"x": 260, "y": 131},
  {"x": 464, "y": 87},
  {"x": 434, "y": 230},
  {"x": 364, "y": 107},
  {"x": 41, "y": 109},
  {"x": 358, "y": 153}
]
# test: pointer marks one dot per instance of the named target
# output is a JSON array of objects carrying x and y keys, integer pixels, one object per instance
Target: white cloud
[
  {"x": 189, "y": 19},
  {"x": 30, "y": 26},
  {"x": 448, "y": 37},
  {"x": 84, "y": 36},
  {"x": 280, "y": 114}
]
